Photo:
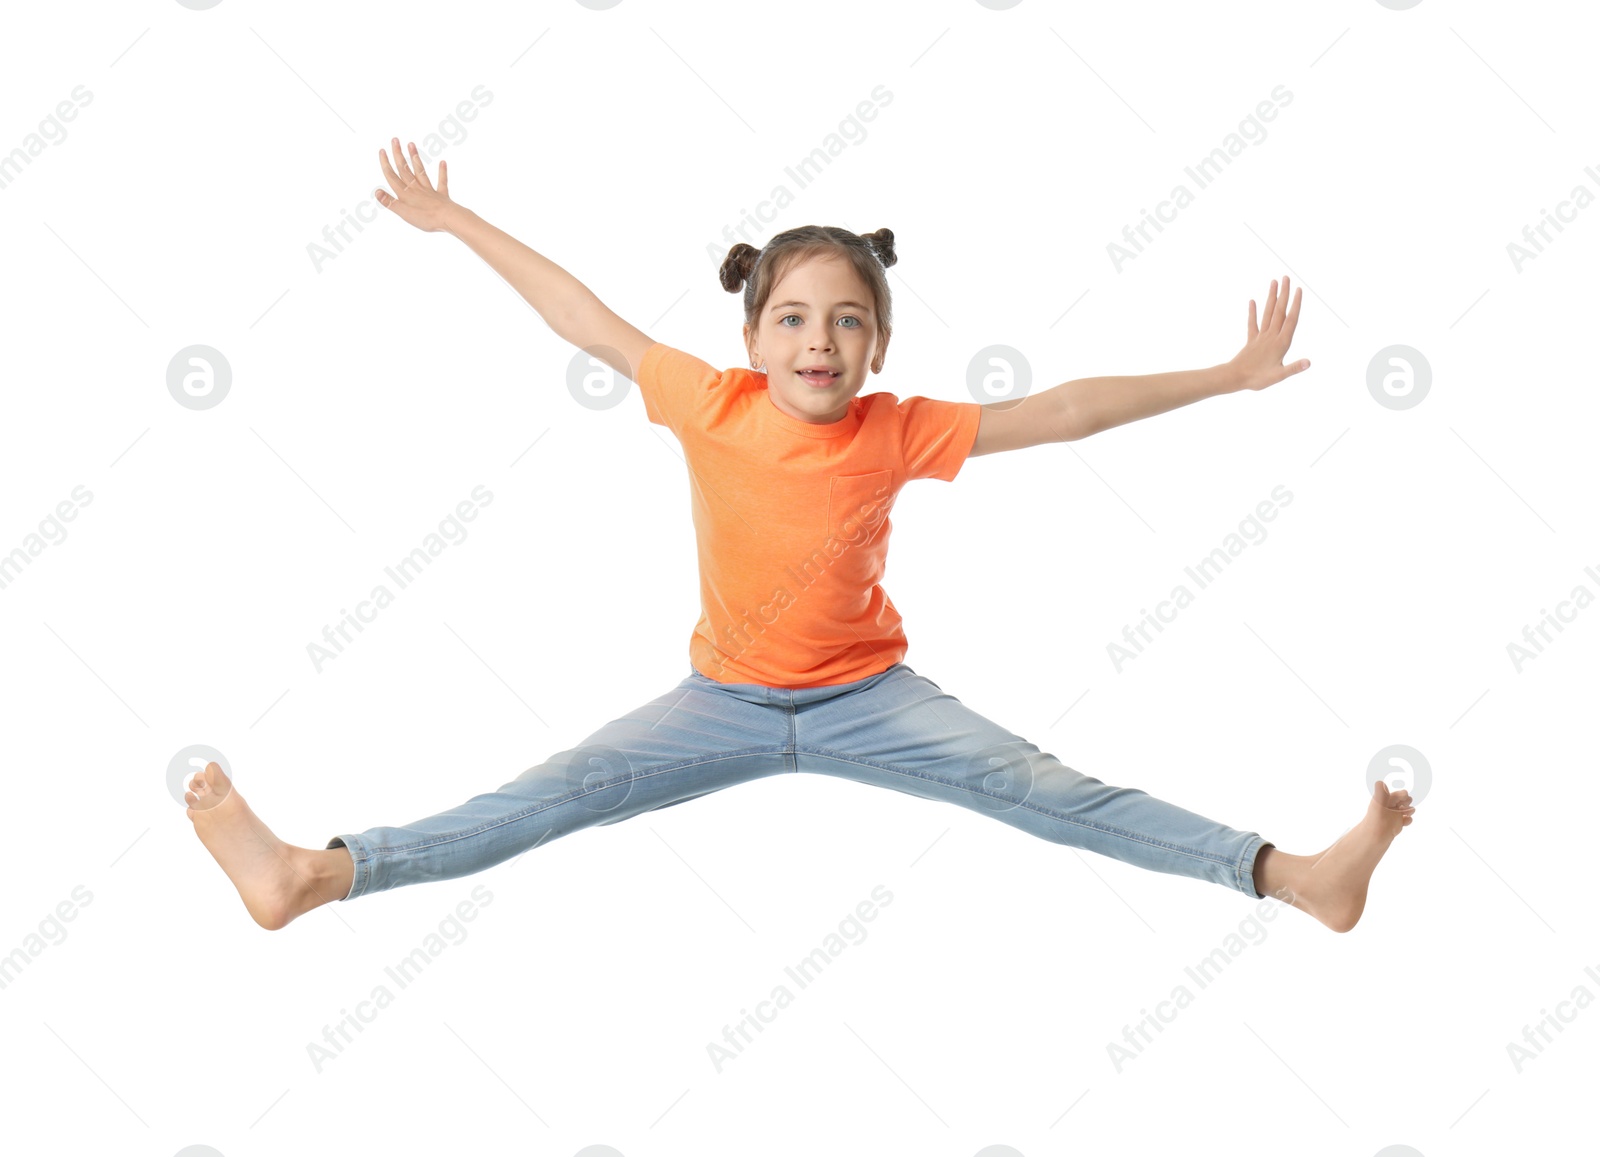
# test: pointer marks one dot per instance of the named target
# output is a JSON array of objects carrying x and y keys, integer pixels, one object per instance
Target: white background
[{"x": 371, "y": 395}]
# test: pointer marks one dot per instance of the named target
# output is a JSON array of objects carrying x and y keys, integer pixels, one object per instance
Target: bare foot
[
  {"x": 1332, "y": 886},
  {"x": 277, "y": 881}
]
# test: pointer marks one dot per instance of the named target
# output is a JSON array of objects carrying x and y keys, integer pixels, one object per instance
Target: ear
[
  {"x": 877, "y": 360},
  {"x": 750, "y": 347}
]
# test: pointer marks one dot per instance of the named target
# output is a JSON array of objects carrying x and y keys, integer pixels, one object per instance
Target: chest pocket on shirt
[{"x": 858, "y": 505}]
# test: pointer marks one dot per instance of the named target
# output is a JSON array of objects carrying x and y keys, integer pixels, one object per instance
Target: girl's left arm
[{"x": 1086, "y": 406}]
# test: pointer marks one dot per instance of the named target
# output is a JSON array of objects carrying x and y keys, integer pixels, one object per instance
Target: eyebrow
[{"x": 804, "y": 305}]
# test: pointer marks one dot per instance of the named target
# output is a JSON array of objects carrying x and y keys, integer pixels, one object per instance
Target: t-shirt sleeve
[
  {"x": 936, "y": 436},
  {"x": 676, "y": 386}
]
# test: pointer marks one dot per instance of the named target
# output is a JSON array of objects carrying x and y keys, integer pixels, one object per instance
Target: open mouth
[{"x": 819, "y": 378}]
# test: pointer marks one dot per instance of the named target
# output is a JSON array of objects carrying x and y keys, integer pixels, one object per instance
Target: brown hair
[{"x": 757, "y": 271}]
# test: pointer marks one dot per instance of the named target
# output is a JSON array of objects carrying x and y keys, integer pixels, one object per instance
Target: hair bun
[
  {"x": 737, "y": 266},
  {"x": 882, "y": 242}
]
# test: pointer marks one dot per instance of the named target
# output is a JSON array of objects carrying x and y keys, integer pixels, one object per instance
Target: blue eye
[{"x": 850, "y": 316}]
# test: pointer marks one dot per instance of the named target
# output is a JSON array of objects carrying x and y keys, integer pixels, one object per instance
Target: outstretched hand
[
  {"x": 415, "y": 200},
  {"x": 1260, "y": 363}
]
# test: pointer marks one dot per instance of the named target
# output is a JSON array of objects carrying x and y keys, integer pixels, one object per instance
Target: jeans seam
[
  {"x": 360, "y": 864},
  {"x": 1052, "y": 814},
  {"x": 1248, "y": 884},
  {"x": 546, "y": 805}
]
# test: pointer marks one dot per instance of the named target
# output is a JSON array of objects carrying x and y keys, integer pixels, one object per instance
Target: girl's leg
[
  {"x": 698, "y": 738},
  {"x": 905, "y": 733},
  {"x": 900, "y": 730},
  {"x": 694, "y": 740}
]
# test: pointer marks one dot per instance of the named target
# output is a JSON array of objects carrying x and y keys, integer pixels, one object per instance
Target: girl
[{"x": 797, "y": 662}]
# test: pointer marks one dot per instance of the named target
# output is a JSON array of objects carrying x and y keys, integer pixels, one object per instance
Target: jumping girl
[{"x": 797, "y": 661}]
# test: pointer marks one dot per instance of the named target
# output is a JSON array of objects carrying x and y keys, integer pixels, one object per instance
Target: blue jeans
[{"x": 895, "y": 729}]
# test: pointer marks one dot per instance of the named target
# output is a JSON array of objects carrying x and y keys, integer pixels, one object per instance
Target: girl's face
[{"x": 819, "y": 314}]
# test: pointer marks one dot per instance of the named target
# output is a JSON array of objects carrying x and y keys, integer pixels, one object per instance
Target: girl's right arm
[{"x": 567, "y": 305}]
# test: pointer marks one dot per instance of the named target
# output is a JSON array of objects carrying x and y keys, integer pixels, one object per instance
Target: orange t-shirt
[{"x": 792, "y": 518}]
